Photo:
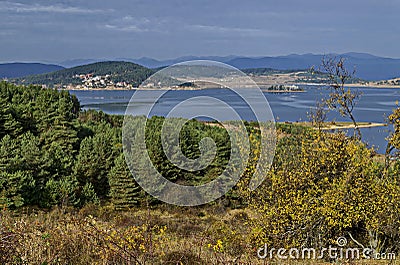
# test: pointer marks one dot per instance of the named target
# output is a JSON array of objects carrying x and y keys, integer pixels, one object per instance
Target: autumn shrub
[{"x": 330, "y": 187}]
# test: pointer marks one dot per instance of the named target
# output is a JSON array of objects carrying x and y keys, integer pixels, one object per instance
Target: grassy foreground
[{"x": 161, "y": 235}]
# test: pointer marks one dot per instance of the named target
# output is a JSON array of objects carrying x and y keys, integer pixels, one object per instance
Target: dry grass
[{"x": 100, "y": 235}]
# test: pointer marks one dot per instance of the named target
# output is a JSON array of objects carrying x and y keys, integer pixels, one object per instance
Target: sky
[{"x": 58, "y": 30}]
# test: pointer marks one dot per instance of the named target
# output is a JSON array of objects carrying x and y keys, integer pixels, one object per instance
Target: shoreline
[
  {"x": 327, "y": 126},
  {"x": 174, "y": 89},
  {"x": 351, "y": 126},
  {"x": 357, "y": 85}
]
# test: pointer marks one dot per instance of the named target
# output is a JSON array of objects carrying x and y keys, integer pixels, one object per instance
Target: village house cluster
[{"x": 92, "y": 81}]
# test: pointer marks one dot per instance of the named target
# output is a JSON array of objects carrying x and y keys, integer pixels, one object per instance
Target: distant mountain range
[
  {"x": 367, "y": 66},
  {"x": 13, "y": 70},
  {"x": 152, "y": 63}
]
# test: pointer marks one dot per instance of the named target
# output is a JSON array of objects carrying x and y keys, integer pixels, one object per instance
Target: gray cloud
[
  {"x": 57, "y": 30},
  {"x": 134, "y": 24},
  {"x": 35, "y": 8},
  {"x": 246, "y": 32}
]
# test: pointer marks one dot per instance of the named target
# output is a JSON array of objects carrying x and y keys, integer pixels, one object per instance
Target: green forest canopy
[{"x": 120, "y": 72}]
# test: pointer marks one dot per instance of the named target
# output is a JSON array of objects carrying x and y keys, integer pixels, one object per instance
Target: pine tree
[
  {"x": 8, "y": 122},
  {"x": 15, "y": 189},
  {"x": 124, "y": 190},
  {"x": 95, "y": 159}
]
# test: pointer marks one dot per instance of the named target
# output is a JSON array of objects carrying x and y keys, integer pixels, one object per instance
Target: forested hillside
[{"x": 131, "y": 73}]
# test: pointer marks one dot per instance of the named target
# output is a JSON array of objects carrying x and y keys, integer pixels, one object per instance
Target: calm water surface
[{"x": 374, "y": 105}]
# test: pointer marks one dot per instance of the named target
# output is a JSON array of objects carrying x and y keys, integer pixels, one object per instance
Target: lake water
[{"x": 374, "y": 105}]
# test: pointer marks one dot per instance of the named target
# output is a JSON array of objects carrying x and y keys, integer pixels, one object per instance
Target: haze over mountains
[
  {"x": 13, "y": 70},
  {"x": 367, "y": 66}
]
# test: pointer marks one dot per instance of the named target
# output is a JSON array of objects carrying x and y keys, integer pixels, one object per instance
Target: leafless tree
[
  {"x": 341, "y": 98},
  {"x": 317, "y": 115}
]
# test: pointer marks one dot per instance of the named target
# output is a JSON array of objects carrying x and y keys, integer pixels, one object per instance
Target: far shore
[
  {"x": 263, "y": 88},
  {"x": 372, "y": 85},
  {"x": 170, "y": 88},
  {"x": 356, "y": 85}
]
